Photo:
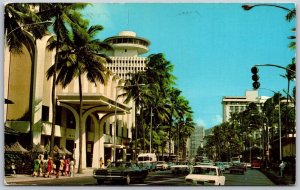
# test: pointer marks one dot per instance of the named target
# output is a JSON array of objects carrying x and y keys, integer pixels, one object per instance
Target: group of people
[{"x": 60, "y": 166}]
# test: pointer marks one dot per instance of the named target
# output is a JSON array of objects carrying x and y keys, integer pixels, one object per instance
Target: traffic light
[{"x": 255, "y": 77}]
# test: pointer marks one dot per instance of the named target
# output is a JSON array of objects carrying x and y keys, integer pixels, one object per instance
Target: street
[{"x": 252, "y": 177}]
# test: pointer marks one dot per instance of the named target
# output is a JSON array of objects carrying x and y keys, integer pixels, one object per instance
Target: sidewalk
[
  {"x": 278, "y": 180},
  {"x": 24, "y": 177}
]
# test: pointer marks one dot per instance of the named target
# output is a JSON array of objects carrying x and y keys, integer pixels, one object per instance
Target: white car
[
  {"x": 162, "y": 165},
  {"x": 206, "y": 175},
  {"x": 181, "y": 167}
]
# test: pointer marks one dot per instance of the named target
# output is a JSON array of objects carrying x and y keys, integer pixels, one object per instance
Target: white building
[
  {"x": 30, "y": 114},
  {"x": 127, "y": 48},
  {"x": 236, "y": 104}
]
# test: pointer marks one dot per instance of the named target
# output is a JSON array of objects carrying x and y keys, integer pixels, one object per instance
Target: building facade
[
  {"x": 237, "y": 104},
  {"x": 196, "y": 140},
  {"x": 107, "y": 121}
]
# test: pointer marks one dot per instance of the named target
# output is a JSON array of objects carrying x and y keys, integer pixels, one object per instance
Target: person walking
[
  {"x": 72, "y": 165},
  {"x": 49, "y": 167},
  {"x": 36, "y": 167},
  {"x": 281, "y": 168},
  {"x": 67, "y": 167},
  {"x": 57, "y": 167},
  {"x": 101, "y": 163},
  {"x": 62, "y": 165}
]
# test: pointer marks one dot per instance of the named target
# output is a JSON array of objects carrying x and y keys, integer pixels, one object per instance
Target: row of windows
[
  {"x": 237, "y": 108},
  {"x": 120, "y": 131},
  {"x": 127, "y": 68},
  {"x": 128, "y": 40},
  {"x": 130, "y": 61}
]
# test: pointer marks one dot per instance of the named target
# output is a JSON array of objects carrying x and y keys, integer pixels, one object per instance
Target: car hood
[{"x": 201, "y": 177}]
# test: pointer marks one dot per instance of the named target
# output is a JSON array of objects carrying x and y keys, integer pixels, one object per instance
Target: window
[
  {"x": 104, "y": 128},
  {"x": 110, "y": 129},
  {"x": 45, "y": 113}
]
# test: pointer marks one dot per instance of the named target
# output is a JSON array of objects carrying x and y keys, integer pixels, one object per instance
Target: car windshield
[{"x": 204, "y": 171}]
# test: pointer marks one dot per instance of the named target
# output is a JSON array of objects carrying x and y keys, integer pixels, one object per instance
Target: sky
[{"x": 211, "y": 45}]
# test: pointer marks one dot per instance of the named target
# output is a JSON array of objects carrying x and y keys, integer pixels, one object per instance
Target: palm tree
[
  {"x": 135, "y": 90},
  {"x": 20, "y": 21},
  {"x": 81, "y": 56},
  {"x": 63, "y": 16}
]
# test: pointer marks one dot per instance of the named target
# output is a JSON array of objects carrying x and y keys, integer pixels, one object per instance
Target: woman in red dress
[{"x": 49, "y": 166}]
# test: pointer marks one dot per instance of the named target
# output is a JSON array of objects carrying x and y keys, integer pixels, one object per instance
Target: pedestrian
[
  {"x": 72, "y": 166},
  {"x": 57, "y": 167},
  {"x": 62, "y": 165},
  {"x": 49, "y": 167},
  {"x": 36, "y": 167},
  {"x": 101, "y": 163},
  {"x": 281, "y": 168},
  {"x": 67, "y": 167},
  {"x": 41, "y": 167}
]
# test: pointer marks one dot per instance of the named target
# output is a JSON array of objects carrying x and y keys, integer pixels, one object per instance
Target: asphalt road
[{"x": 251, "y": 177}]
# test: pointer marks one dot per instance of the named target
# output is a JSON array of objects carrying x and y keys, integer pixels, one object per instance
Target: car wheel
[
  {"x": 100, "y": 182},
  {"x": 127, "y": 179}
]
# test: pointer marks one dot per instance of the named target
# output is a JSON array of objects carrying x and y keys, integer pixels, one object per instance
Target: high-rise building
[
  {"x": 125, "y": 56},
  {"x": 236, "y": 104},
  {"x": 196, "y": 140}
]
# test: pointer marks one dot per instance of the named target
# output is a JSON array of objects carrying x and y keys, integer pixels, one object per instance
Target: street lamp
[{"x": 248, "y": 7}]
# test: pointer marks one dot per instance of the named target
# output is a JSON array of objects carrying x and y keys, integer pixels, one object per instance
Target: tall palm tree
[
  {"x": 63, "y": 15},
  {"x": 81, "y": 56},
  {"x": 135, "y": 90}
]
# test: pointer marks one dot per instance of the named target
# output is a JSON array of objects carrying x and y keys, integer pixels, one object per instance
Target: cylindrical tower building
[{"x": 125, "y": 54}]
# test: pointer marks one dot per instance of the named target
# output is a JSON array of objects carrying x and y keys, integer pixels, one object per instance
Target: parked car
[
  {"x": 162, "y": 165},
  {"x": 237, "y": 168},
  {"x": 181, "y": 167},
  {"x": 170, "y": 164},
  {"x": 124, "y": 172},
  {"x": 206, "y": 175},
  {"x": 248, "y": 165},
  {"x": 227, "y": 165},
  {"x": 220, "y": 165}
]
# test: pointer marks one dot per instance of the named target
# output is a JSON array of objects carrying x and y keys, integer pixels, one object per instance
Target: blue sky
[{"x": 211, "y": 45}]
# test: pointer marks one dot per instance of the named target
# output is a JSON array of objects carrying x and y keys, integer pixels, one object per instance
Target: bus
[{"x": 256, "y": 163}]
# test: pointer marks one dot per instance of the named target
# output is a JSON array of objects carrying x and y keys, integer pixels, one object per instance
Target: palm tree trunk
[
  {"x": 80, "y": 124},
  {"x": 54, "y": 97}
]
